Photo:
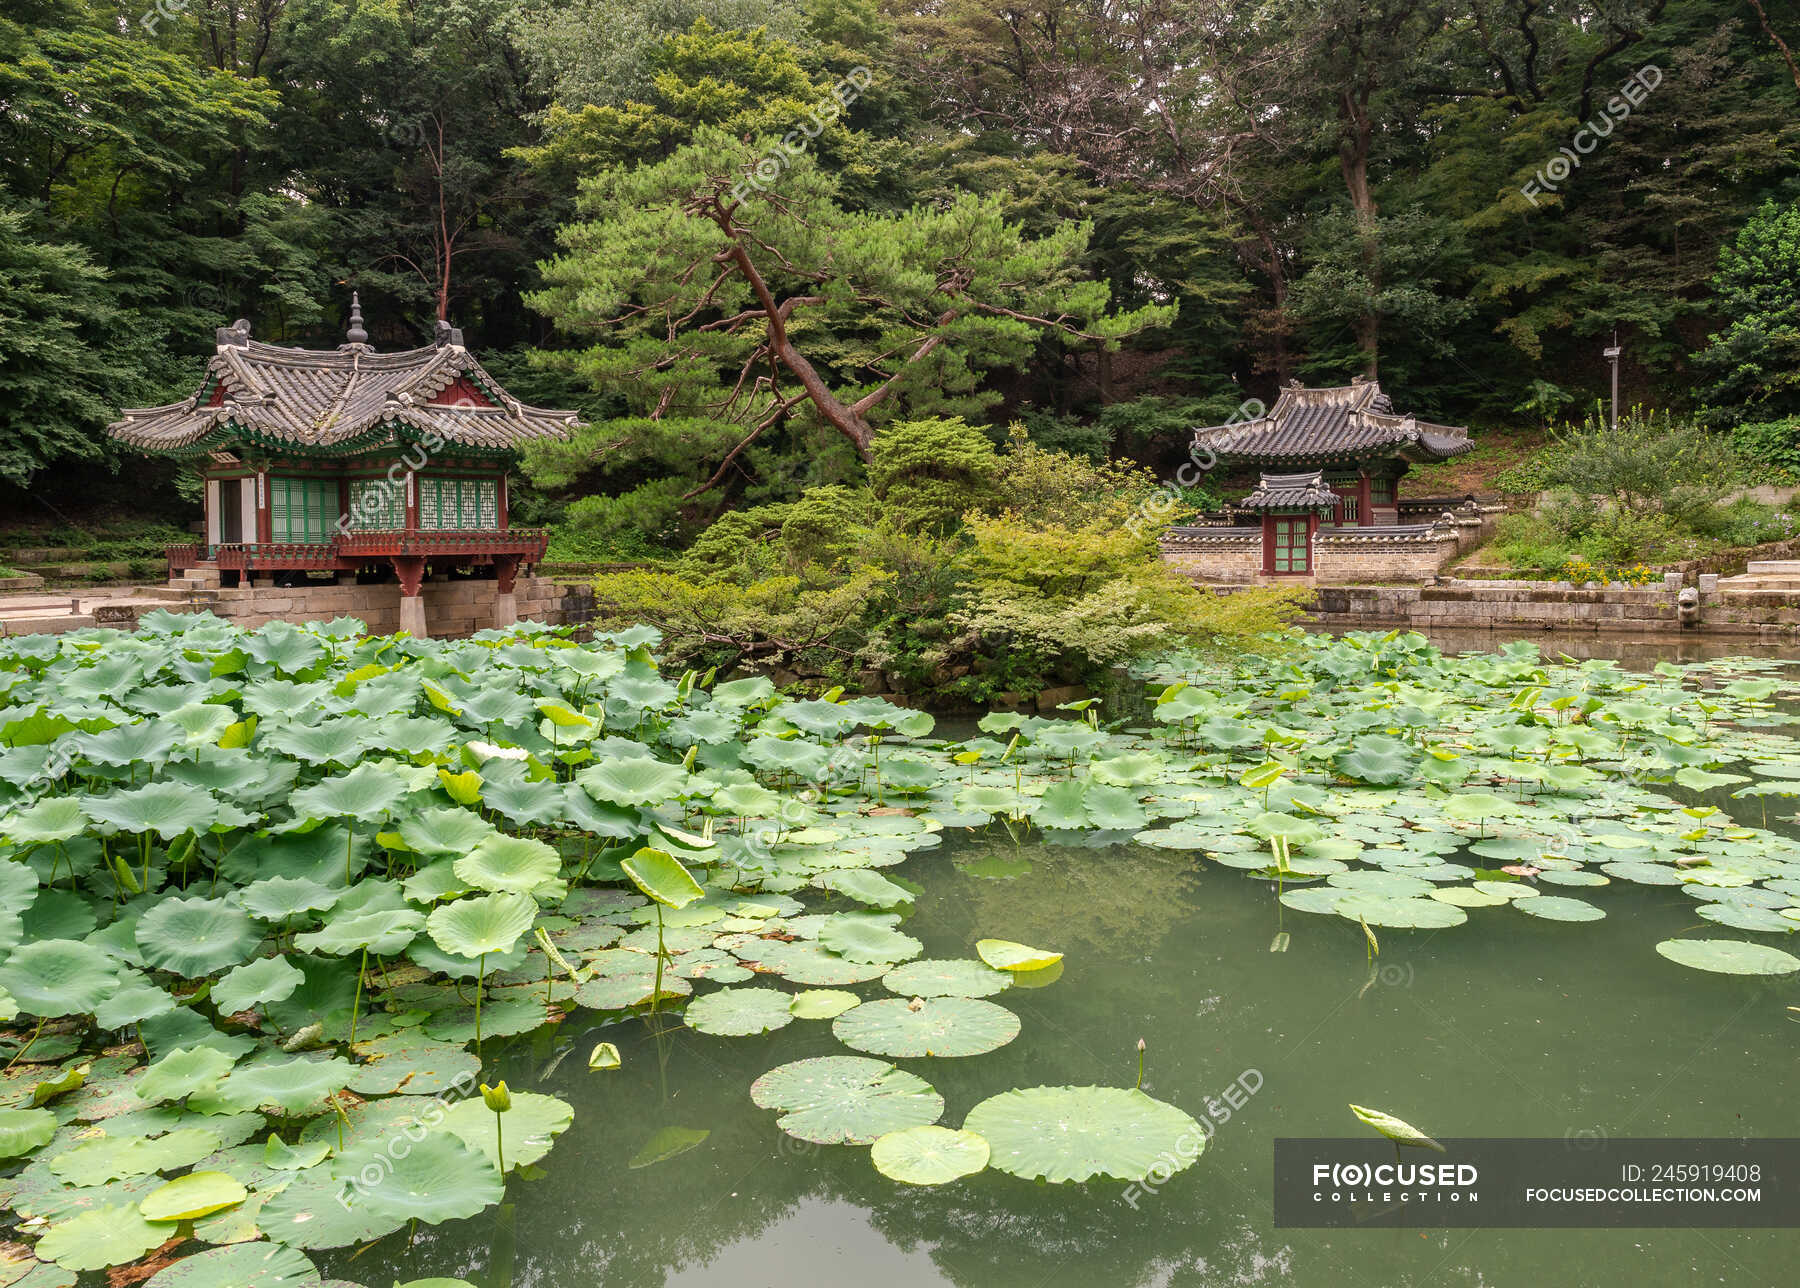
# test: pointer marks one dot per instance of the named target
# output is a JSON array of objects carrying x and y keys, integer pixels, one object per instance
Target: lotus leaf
[
  {"x": 867, "y": 937},
  {"x": 849, "y": 1100},
  {"x": 928, "y": 1155},
  {"x": 1004, "y": 954},
  {"x": 1729, "y": 956},
  {"x": 532, "y": 1125},
  {"x": 1062, "y": 1134},
  {"x": 192, "y": 1196},
  {"x": 246, "y": 1265},
  {"x": 939, "y": 1026},
  {"x": 267, "y": 979},
  {"x": 195, "y": 937},
  {"x": 739, "y": 1012}
]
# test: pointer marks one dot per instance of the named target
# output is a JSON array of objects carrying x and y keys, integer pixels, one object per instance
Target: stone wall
[
  {"x": 1521, "y": 608},
  {"x": 452, "y": 608},
  {"x": 1220, "y": 554},
  {"x": 1235, "y": 555}
]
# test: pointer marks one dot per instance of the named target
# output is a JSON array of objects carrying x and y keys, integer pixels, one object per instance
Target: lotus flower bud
[{"x": 497, "y": 1098}]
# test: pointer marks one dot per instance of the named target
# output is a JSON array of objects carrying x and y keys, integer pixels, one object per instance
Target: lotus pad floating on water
[
  {"x": 1729, "y": 956},
  {"x": 1004, "y": 954},
  {"x": 1061, "y": 1134},
  {"x": 245, "y": 1265},
  {"x": 1556, "y": 908},
  {"x": 939, "y": 1026},
  {"x": 845, "y": 1099},
  {"x": 928, "y": 1155},
  {"x": 739, "y": 1012},
  {"x": 957, "y": 977}
]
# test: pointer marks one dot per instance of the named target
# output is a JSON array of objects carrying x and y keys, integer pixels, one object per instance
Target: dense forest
[{"x": 743, "y": 235}]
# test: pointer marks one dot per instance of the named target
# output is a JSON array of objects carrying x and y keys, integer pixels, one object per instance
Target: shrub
[
  {"x": 643, "y": 522},
  {"x": 1065, "y": 434},
  {"x": 800, "y": 620},
  {"x": 1647, "y": 463},
  {"x": 1569, "y": 513},
  {"x": 1101, "y": 596},
  {"x": 1056, "y": 488},
  {"x": 741, "y": 546},
  {"x": 1773, "y": 443},
  {"x": 822, "y": 526},
  {"x": 928, "y": 473}
]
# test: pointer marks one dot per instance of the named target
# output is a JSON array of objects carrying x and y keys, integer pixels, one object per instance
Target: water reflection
[{"x": 1506, "y": 1026}]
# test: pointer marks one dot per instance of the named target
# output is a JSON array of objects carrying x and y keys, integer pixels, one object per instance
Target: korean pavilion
[
  {"x": 362, "y": 464},
  {"x": 1334, "y": 458}
]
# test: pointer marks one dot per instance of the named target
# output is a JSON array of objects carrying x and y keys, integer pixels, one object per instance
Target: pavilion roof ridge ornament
[{"x": 357, "y": 335}]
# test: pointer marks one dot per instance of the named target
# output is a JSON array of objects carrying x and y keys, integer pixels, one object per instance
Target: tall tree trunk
[{"x": 1353, "y": 161}]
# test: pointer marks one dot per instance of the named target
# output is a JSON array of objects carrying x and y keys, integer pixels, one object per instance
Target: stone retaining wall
[
  {"x": 452, "y": 608},
  {"x": 1516, "y": 608}
]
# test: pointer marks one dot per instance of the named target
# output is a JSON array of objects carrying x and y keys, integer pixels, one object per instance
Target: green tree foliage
[
  {"x": 60, "y": 350},
  {"x": 1293, "y": 188},
  {"x": 1755, "y": 359},
  {"x": 722, "y": 313}
]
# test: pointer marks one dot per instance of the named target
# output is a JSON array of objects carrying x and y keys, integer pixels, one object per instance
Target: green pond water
[{"x": 1506, "y": 1026}]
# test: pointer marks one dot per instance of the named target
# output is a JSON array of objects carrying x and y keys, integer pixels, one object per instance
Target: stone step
[
  {"x": 1750, "y": 581},
  {"x": 1772, "y": 568},
  {"x": 40, "y": 623}
]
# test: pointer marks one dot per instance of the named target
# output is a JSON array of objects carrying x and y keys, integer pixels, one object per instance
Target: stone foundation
[{"x": 452, "y": 608}]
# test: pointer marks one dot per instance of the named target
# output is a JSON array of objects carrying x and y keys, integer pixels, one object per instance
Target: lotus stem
[
  {"x": 480, "y": 975},
  {"x": 656, "y": 993},
  {"x": 356, "y": 999},
  {"x": 20, "y": 1053}
]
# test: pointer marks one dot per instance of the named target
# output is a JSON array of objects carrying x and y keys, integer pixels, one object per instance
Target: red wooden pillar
[
  {"x": 1268, "y": 538},
  {"x": 412, "y": 501},
  {"x": 263, "y": 530},
  {"x": 503, "y": 502},
  {"x": 1365, "y": 495}
]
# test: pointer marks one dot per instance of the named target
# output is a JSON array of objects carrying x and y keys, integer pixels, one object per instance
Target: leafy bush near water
[{"x": 959, "y": 570}]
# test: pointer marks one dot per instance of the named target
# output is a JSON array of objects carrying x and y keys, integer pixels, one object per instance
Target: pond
[
  {"x": 1505, "y": 1026},
  {"x": 263, "y": 883}
]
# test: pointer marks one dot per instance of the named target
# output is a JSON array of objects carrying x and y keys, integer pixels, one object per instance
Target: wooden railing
[
  {"x": 284, "y": 555},
  {"x": 345, "y": 550},
  {"x": 528, "y": 543}
]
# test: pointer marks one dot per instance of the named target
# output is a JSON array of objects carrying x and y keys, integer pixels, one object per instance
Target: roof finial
[{"x": 356, "y": 334}]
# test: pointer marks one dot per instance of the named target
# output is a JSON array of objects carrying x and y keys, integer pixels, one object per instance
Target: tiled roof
[
  {"x": 1290, "y": 492},
  {"x": 329, "y": 402},
  {"x": 1336, "y": 424}
]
